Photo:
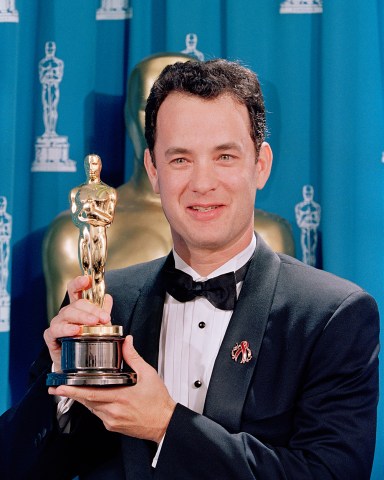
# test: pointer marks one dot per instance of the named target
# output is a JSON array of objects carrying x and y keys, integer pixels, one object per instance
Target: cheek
[
  {"x": 246, "y": 196},
  {"x": 244, "y": 187},
  {"x": 171, "y": 186},
  {"x": 169, "y": 194}
]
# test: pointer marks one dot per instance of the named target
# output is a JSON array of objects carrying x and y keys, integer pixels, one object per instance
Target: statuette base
[
  {"x": 92, "y": 358},
  {"x": 92, "y": 379}
]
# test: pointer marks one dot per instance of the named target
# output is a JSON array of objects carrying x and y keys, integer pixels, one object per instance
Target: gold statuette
[{"x": 94, "y": 357}]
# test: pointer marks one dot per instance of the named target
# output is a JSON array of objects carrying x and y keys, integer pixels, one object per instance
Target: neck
[{"x": 205, "y": 261}]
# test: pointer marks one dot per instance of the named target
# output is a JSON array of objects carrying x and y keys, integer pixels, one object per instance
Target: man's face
[{"x": 206, "y": 173}]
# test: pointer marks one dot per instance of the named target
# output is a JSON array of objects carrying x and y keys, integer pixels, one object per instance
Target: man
[{"x": 276, "y": 380}]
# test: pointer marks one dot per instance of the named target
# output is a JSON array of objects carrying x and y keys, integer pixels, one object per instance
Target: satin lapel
[
  {"x": 230, "y": 380},
  {"x": 145, "y": 328},
  {"x": 147, "y": 317}
]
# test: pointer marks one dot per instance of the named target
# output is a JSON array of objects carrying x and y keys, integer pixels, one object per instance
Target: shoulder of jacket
[{"x": 135, "y": 275}]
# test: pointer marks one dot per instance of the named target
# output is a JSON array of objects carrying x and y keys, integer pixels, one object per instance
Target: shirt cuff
[
  {"x": 62, "y": 415},
  {"x": 156, "y": 457}
]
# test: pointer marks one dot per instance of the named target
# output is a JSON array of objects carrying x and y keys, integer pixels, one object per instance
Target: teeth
[{"x": 204, "y": 209}]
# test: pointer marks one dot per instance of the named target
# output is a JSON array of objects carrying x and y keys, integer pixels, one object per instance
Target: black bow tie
[{"x": 220, "y": 291}]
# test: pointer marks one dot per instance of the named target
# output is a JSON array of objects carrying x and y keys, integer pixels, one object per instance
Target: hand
[
  {"x": 79, "y": 312},
  {"x": 142, "y": 411}
]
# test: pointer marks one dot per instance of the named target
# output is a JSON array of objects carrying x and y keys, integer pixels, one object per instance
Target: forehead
[
  {"x": 179, "y": 106},
  {"x": 180, "y": 115}
]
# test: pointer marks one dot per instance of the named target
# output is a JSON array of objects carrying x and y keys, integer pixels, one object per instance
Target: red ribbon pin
[{"x": 243, "y": 351}]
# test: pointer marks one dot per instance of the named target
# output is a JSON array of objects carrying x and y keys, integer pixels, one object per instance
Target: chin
[{"x": 212, "y": 242}]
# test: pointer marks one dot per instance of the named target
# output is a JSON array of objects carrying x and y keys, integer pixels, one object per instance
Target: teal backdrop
[{"x": 321, "y": 66}]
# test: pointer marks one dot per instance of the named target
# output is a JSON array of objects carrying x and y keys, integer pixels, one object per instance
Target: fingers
[
  {"x": 58, "y": 330},
  {"x": 80, "y": 312},
  {"x": 76, "y": 287},
  {"x": 68, "y": 322},
  {"x": 92, "y": 398}
]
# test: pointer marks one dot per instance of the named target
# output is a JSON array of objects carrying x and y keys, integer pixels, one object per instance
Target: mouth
[
  {"x": 200, "y": 208},
  {"x": 206, "y": 213}
]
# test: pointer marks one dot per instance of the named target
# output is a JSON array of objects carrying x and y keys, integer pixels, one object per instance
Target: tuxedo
[{"x": 303, "y": 407}]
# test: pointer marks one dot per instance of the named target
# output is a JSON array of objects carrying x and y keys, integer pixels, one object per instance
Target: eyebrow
[
  {"x": 219, "y": 148},
  {"x": 176, "y": 151},
  {"x": 228, "y": 146}
]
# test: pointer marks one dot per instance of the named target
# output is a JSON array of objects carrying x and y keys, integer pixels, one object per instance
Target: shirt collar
[{"x": 231, "y": 265}]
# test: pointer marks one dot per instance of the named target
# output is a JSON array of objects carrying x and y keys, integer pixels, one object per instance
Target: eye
[
  {"x": 226, "y": 157},
  {"x": 178, "y": 161}
]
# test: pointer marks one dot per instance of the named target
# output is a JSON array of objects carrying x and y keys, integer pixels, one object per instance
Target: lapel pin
[{"x": 242, "y": 350}]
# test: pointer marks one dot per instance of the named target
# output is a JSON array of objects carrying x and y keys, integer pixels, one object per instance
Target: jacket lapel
[
  {"x": 230, "y": 379},
  {"x": 145, "y": 329},
  {"x": 147, "y": 317}
]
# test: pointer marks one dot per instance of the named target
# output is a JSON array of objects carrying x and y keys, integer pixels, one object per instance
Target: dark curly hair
[{"x": 208, "y": 80}]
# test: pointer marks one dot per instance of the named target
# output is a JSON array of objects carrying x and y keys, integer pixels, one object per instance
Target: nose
[{"x": 203, "y": 177}]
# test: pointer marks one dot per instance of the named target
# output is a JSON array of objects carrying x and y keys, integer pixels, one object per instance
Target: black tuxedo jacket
[{"x": 304, "y": 407}]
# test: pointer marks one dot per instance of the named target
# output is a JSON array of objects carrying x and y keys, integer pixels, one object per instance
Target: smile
[{"x": 204, "y": 209}]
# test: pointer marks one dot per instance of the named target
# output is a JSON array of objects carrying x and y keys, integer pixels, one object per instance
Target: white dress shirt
[{"x": 191, "y": 335}]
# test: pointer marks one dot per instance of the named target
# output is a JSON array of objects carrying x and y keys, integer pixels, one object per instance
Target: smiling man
[
  {"x": 250, "y": 364},
  {"x": 206, "y": 168}
]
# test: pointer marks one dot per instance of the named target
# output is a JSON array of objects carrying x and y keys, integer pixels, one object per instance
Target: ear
[
  {"x": 264, "y": 165},
  {"x": 151, "y": 171}
]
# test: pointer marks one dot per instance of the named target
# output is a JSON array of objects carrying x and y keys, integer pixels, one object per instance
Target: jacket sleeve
[
  {"x": 32, "y": 445},
  {"x": 333, "y": 424}
]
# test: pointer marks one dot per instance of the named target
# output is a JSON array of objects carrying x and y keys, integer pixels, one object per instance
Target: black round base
[{"x": 91, "y": 379}]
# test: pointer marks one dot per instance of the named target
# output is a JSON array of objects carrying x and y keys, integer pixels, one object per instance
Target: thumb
[{"x": 131, "y": 357}]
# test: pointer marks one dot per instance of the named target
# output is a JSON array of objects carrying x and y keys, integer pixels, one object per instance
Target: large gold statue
[{"x": 140, "y": 230}]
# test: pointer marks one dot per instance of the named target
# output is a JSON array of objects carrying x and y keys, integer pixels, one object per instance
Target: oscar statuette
[{"x": 94, "y": 356}]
